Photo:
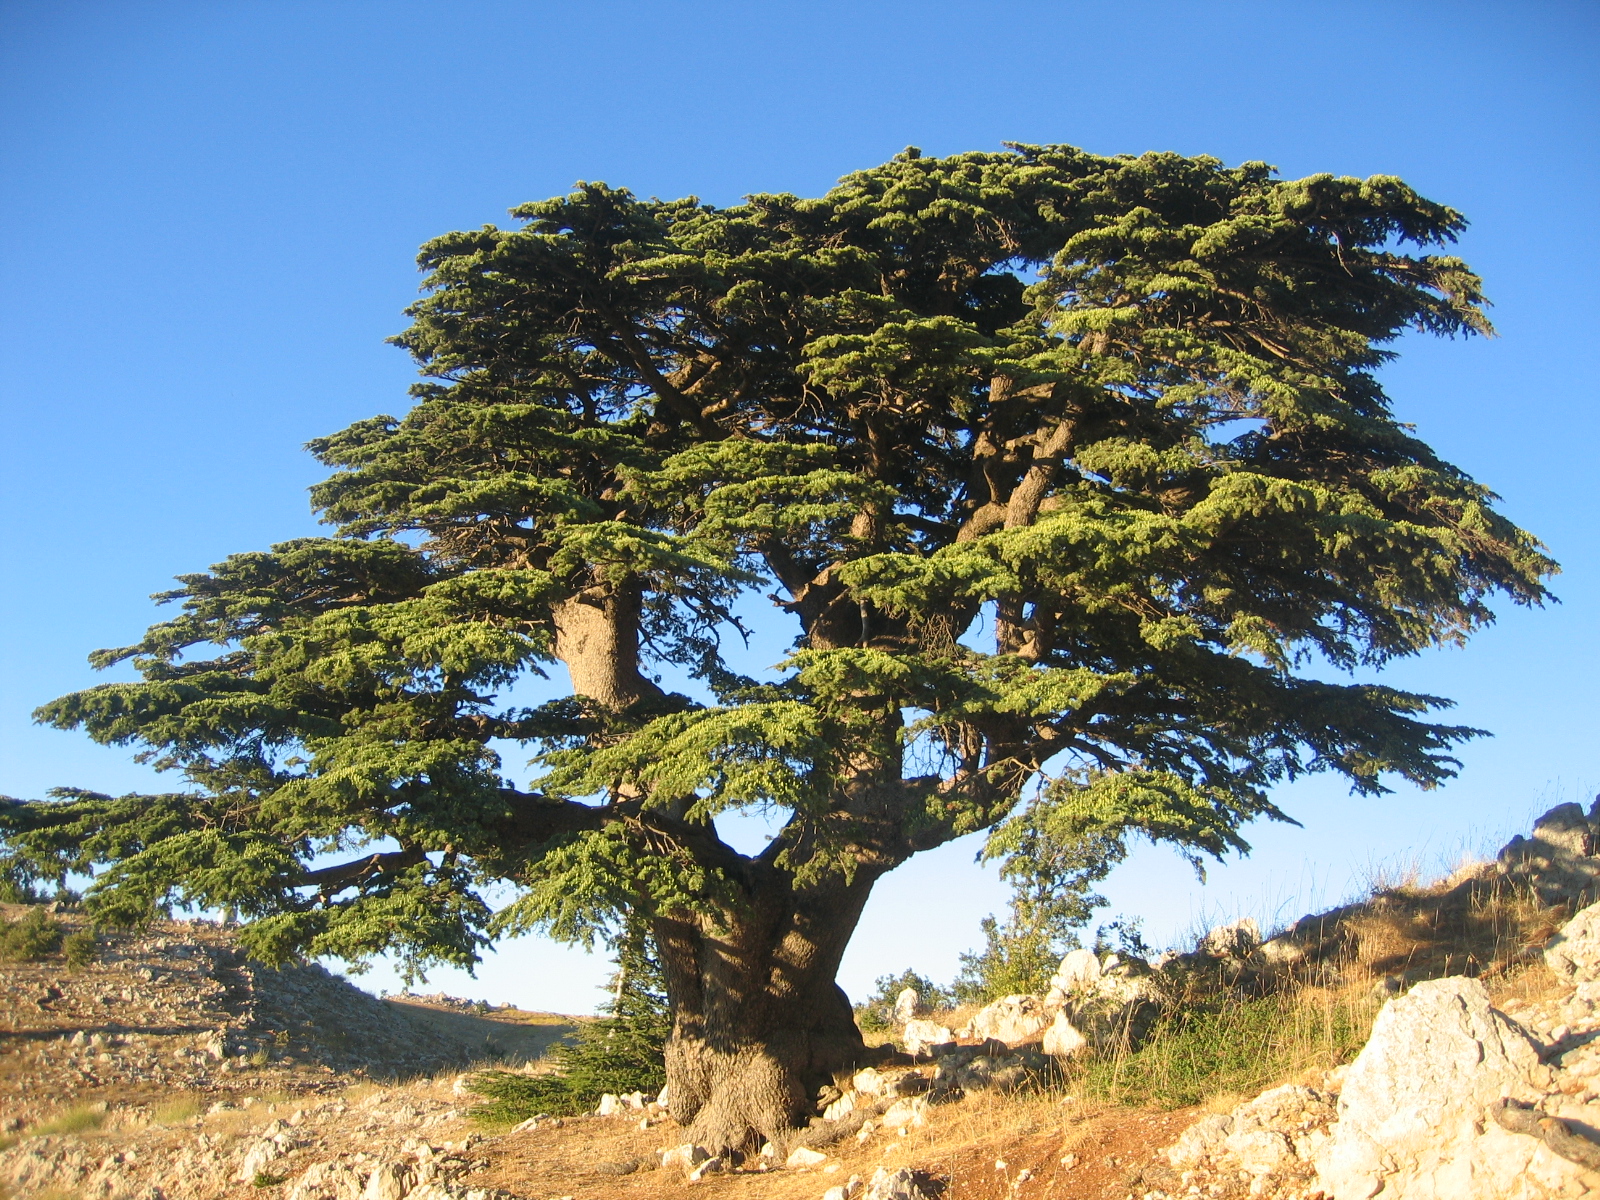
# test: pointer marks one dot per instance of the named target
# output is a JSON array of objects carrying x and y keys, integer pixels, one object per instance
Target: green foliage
[
  {"x": 621, "y": 1052},
  {"x": 80, "y": 948},
  {"x": 30, "y": 937},
  {"x": 1014, "y": 958},
  {"x": 876, "y": 1012},
  {"x": 1073, "y": 473}
]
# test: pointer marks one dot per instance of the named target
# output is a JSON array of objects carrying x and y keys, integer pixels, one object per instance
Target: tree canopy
[{"x": 1073, "y": 475}]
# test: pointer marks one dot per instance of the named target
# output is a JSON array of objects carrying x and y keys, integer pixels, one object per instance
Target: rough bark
[
  {"x": 760, "y": 1028},
  {"x": 597, "y": 637}
]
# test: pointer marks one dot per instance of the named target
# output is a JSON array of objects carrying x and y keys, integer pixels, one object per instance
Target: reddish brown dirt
[{"x": 1115, "y": 1154}]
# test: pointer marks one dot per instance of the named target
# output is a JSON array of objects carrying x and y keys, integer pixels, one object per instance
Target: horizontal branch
[{"x": 343, "y": 875}]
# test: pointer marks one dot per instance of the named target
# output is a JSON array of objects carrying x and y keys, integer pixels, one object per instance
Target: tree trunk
[
  {"x": 760, "y": 1028},
  {"x": 597, "y": 636}
]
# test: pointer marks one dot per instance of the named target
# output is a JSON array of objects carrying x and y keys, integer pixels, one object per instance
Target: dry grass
[
  {"x": 179, "y": 1109},
  {"x": 83, "y": 1119}
]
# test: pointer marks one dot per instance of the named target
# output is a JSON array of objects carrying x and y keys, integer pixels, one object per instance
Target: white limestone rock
[
  {"x": 685, "y": 1157},
  {"x": 904, "y": 1184},
  {"x": 1574, "y": 953},
  {"x": 1238, "y": 940},
  {"x": 390, "y": 1180},
  {"x": 919, "y": 1035},
  {"x": 1062, "y": 1039},
  {"x": 909, "y": 1112},
  {"x": 1014, "y": 1020},
  {"x": 1412, "y": 1113},
  {"x": 906, "y": 1006},
  {"x": 1078, "y": 973},
  {"x": 327, "y": 1181},
  {"x": 868, "y": 1082}
]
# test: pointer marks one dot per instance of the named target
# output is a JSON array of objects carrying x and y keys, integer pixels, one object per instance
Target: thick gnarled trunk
[{"x": 760, "y": 1027}]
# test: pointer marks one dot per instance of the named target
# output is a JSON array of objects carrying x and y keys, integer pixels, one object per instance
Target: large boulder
[
  {"x": 1414, "y": 1120},
  {"x": 1014, "y": 1020},
  {"x": 1063, "y": 1039},
  {"x": 1078, "y": 973},
  {"x": 1574, "y": 953},
  {"x": 1237, "y": 940},
  {"x": 1119, "y": 1011}
]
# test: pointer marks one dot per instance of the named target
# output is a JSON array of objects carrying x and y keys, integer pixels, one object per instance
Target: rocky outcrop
[
  {"x": 384, "y": 1147},
  {"x": 1560, "y": 860},
  {"x": 1450, "y": 1098},
  {"x": 1574, "y": 953},
  {"x": 1272, "y": 1139}
]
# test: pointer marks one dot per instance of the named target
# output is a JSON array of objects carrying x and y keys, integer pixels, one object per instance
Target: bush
[
  {"x": 30, "y": 938},
  {"x": 1013, "y": 959},
  {"x": 876, "y": 1012},
  {"x": 619, "y": 1053},
  {"x": 80, "y": 948},
  {"x": 83, "y": 1119}
]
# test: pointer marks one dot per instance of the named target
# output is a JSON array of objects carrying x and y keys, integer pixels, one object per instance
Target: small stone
[
  {"x": 804, "y": 1156},
  {"x": 711, "y": 1166},
  {"x": 686, "y": 1157}
]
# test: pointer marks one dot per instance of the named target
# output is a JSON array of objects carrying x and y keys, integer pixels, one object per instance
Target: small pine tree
[
  {"x": 621, "y": 1052},
  {"x": 30, "y": 938}
]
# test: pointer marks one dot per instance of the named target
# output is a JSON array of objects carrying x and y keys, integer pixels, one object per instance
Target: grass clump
[
  {"x": 30, "y": 938},
  {"x": 177, "y": 1111},
  {"x": 84, "y": 1119},
  {"x": 1233, "y": 1046}
]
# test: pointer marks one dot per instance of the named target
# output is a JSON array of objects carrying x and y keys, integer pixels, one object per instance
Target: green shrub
[
  {"x": 80, "y": 949},
  {"x": 30, "y": 938},
  {"x": 1015, "y": 958},
  {"x": 620, "y": 1053}
]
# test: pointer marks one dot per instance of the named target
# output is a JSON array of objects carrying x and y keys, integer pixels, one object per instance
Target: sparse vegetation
[
  {"x": 620, "y": 1053},
  {"x": 83, "y": 1119},
  {"x": 1235, "y": 1046},
  {"x": 178, "y": 1110},
  {"x": 31, "y": 937}
]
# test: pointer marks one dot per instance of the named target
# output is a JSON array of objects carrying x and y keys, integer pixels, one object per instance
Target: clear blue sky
[{"x": 208, "y": 213}]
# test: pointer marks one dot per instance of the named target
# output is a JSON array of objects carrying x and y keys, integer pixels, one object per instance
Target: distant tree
[{"x": 1063, "y": 467}]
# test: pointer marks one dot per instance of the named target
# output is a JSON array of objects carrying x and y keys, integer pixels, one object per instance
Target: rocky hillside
[
  {"x": 178, "y": 1009},
  {"x": 173, "y": 1070}
]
